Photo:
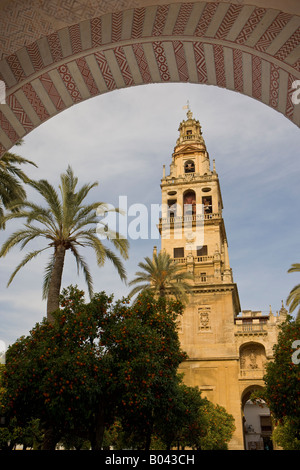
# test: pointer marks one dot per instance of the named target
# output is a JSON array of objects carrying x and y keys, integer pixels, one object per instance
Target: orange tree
[
  {"x": 182, "y": 423},
  {"x": 54, "y": 374},
  {"x": 195, "y": 422},
  {"x": 146, "y": 351},
  {"x": 94, "y": 362},
  {"x": 217, "y": 427},
  {"x": 282, "y": 378}
]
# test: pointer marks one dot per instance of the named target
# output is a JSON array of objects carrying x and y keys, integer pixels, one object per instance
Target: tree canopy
[
  {"x": 65, "y": 222},
  {"x": 104, "y": 362}
]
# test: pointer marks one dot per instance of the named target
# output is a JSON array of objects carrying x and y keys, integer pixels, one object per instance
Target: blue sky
[{"x": 122, "y": 140}]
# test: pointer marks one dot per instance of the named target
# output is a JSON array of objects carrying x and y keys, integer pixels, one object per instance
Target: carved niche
[
  {"x": 253, "y": 356},
  {"x": 204, "y": 318}
]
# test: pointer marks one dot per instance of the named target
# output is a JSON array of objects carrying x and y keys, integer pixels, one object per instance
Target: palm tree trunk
[
  {"x": 55, "y": 282},
  {"x": 162, "y": 291}
]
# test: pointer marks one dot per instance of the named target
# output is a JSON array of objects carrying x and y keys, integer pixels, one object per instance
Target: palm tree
[
  {"x": 66, "y": 223},
  {"x": 293, "y": 299},
  {"x": 162, "y": 275},
  {"x": 11, "y": 179}
]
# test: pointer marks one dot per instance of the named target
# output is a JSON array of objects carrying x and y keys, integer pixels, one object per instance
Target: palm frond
[
  {"x": 13, "y": 240},
  {"x": 81, "y": 264},
  {"x": 293, "y": 300},
  {"x": 47, "y": 276},
  {"x": 162, "y": 275},
  {"x": 141, "y": 288},
  {"x": 25, "y": 260},
  {"x": 51, "y": 196},
  {"x": 294, "y": 268},
  {"x": 109, "y": 254}
]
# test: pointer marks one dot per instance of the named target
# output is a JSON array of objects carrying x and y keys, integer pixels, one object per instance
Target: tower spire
[{"x": 189, "y": 113}]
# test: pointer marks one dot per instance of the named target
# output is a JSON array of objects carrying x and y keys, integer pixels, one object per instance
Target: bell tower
[
  {"x": 193, "y": 233},
  {"x": 192, "y": 227}
]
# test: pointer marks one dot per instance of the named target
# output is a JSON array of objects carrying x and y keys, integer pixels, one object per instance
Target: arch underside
[{"x": 252, "y": 50}]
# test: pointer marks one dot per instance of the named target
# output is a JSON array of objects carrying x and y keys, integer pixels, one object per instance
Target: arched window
[
  {"x": 189, "y": 166},
  {"x": 189, "y": 202}
]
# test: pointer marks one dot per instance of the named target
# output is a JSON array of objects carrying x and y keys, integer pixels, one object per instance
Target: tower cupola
[{"x": 190, "y": 131}]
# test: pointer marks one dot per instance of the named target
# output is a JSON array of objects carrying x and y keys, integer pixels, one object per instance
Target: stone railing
[
  {"x": 189, "y": 218},
  {"x": 196, "y": 259},
  {"x": 250, "y": 328}
]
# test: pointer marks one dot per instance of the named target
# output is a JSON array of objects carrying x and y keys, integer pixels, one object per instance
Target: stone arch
[
  {"x": 247, "y": 392},
  {"x": 252, "y": 420},
  {"x": 65, "y": 52}
]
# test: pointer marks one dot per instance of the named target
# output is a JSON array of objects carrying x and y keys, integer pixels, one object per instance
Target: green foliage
[
  {"x": 57, "y": 373},
  {"x": 145, "y": 362},
  {"x": 282, "y": 390},
  {"x": 65, "y": 222},
  {"x": 99, "y": 355},
  {"x": 181, "y": 422},
  {"x": 293, "y": 300},
  {"x": 286, "y": 435},
  {"x": 161, "y": 275},
  {"x": 11, "y": 179},
  {"x": 109, "y": 365},
  {"x": 218, "y": 425}
]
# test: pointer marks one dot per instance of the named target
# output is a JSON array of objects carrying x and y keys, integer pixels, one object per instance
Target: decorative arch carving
[
  {"x": 66, "y": 52},
  {"x": 252, "y": 356}
]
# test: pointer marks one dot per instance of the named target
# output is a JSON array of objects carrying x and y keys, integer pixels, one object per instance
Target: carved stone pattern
[
  {"x": 35, "y": 102},
  {"x": 75, "y": 39},
  {"x": 289, "y": 45},
  {"x": 183, "y": 17},
  {"x": 87, "y": 76},
  {"x": 181, "y": 61},
  {"x": 96, "y": 31},
  {"x": 250, "y": 25},
  {"x": 256, "y": 77},
  {"x": 124, "y": 67},
  {"x": 19, "y": 112},
  {"x": 8, "y": 129},
  {"x": 142, "y": 63},
  {"x": 116, "y": 26},
  {"x": 206, "y": 17},
  {"x": 35, "y": 56},
  {"x": 272, "y": 31},
  {"x": 161, "y": 61},
  {"x": 252, "y": 357},
  {"x": 220, "y": 67},
  {"x": 228, "y": 21},
  {"x": 16, "y": 67},
  {"x": 138, "y": 22},
  {"x": 52, "y": 92},
  {"x": 204, "y": 318},
  {"x": 24, "y": 23},
  {"x": 160, "y": 20},
  {"x": 274, "y": 86},
  {"x": 55, "y": 47},
  {"x": 106, "y": 72},
  {"x": 238, "y": 70},
  {"x": 200, "y": 62},
  {"x": 70, "y": 83}
]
